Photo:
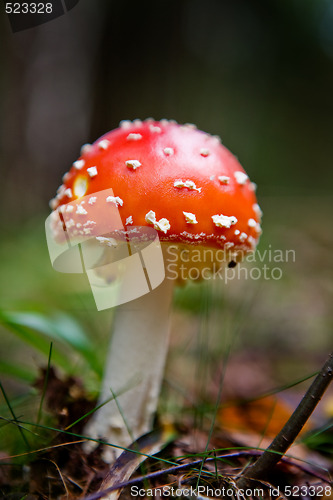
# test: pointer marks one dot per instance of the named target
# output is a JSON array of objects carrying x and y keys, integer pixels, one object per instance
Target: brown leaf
[{"x": 264, "y": 416}]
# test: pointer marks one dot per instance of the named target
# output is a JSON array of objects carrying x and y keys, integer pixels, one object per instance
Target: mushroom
[{"x": 191, "y": 189}]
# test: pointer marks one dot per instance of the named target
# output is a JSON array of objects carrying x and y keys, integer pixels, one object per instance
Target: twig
[{"x": 291, "y": 429}]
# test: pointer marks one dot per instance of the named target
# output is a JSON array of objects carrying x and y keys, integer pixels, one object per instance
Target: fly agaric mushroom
[{"x": 191, "y": 189}]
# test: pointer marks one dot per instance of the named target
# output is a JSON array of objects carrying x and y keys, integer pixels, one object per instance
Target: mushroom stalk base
[{"x": 134, "y": 370}]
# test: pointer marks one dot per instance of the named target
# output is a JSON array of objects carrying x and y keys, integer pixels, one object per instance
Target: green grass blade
[
  {"x": 14, "y": 416},
  {"x": 44, "y": 386}
]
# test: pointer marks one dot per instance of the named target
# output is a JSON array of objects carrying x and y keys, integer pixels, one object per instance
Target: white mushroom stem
[{"x": 134, "y": 369}]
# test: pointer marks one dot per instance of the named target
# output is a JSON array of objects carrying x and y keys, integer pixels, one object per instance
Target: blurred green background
[{"x": 257, "y": 72}]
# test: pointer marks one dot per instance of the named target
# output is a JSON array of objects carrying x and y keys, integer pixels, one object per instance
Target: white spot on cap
[
  {"x": 164, "y": 121},
  {"x": 134, "y": 137},
  {"x": 251, "y": 223},
  {"x": 115, "y": 199},
  {"x": 137, "y": 122},
  {"x": 129, "y": 220},
  {"x": 89, "y": 223},
  {"x": 92, "y": 200},
  {"x": 85, "y": 148},
  {"x": 65, "y": 177},
  {"x": 155, "y": 129},
  {"x": 240, "y": 177},
  {"x": 78, "y": 164},
  {"x": 104, "y": 144},
  {"x": 110, "y": 242},
  {"x": 188, "y": 184},
  {"x": 253, "y": 186},
  {"x": 168, "y": 151},
  {"x": 101, "y": 239},
  {"x": 229, "y": 244},
  {"x": 80, "y": 210},
  {"x": 252, "y": 242},
  {"x": 61, "y": 189},
  {"x": 70, "y": 223},
  {"x": 150, "y": 217},
  {"x": 161, "y": 225},
  {"x": 237, "y": 232},
  {"x": 242, "y": 237},
  {"x": 190, "y": 218},
  {"x": 133, "y": 164},
  {"x": 69, "y": 208},
  {"x": 204, "y": 152},
  {"x": 217, "y": 139},
  {"x": 92, "y": 171},
  {"x": 68, "y": 193},
  {"x": 191, "y": 126},
  {"x": 224, "y": 179},
  {"x": 53, "y": 203},
  {"x": 201, "y": 236},
  {"x": 125, "y": 124},
  {"x": 224, "y": 220},
  {"x": 212, "y": 177},
  {"x": 257, "y": 210}
]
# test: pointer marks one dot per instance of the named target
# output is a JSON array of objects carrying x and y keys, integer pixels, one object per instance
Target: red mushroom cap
[{"x": 175, "y": 178}]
